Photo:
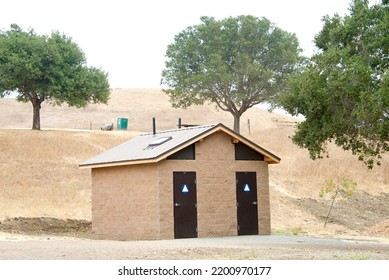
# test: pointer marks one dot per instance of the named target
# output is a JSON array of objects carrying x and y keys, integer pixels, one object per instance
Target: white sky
[{"x": 129, "y": 38}]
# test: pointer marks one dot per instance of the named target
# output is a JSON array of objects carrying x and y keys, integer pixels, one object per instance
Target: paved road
[{"x": 237, "y": 247}]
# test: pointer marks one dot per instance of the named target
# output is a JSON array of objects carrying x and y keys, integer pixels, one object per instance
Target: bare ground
[
  {"x": 52, "y": 238},
  {"x": 233, "y": 248},
  {"x": 360, "y": 212},
  {"x": 47, "y": 226}
]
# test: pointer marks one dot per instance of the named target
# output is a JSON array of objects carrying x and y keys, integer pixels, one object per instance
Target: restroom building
[{"x": 200, "y": 181}]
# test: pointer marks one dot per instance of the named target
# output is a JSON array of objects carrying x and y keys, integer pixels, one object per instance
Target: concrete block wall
[
  {"x": 215, "y": 168},
  {"x": 124, "y": 202}
]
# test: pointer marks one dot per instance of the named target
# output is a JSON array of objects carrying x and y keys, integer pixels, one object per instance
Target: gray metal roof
[{"x": 146, "y": 147}]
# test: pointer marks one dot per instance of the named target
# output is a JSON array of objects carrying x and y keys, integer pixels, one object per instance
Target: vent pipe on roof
[
  {"x": 154, "y": 127},
  {"x": 179, "y": 123}
]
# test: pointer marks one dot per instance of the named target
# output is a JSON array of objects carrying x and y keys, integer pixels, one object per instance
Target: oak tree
[
  {"x": 51, "y": 68},
  {"x": 236, "y": 62},
  {"x": 343, "y": 90}
]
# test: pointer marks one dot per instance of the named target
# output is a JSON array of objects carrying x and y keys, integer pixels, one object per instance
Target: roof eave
[{"x": 117, "y": 163}]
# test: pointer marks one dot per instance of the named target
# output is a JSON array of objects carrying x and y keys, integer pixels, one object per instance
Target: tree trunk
[
  {"x": 36, "y": 119},
  {"x": 332, "y": 205},
  {"x": 237, "y": 123}
]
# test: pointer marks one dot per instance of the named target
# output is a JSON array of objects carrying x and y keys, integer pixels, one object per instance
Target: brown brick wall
[
  {"x": 136, "y": 201},
  {"x": 124, "y": 202},
  {"x": 264, "y": 217},
  {"x": 215, "y": 168}
]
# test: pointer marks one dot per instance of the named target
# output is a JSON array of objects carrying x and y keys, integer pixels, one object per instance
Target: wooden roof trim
[{"x": 118, "y": 163}]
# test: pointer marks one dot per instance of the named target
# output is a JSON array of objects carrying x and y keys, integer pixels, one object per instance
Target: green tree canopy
[
  {"x": 236, "y": 62},
  {"x": 343, "y": 90},
  {"x": 48, "y": 68}
]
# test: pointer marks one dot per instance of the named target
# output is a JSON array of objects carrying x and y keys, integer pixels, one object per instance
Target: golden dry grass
[{"x": 40, "y": 175}]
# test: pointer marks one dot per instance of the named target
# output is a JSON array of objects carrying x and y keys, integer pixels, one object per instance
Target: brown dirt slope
[
  {"x": 47, "y": 226},
  {"x": 360, "y": 212},
  {"x": 380, "y": 229}
]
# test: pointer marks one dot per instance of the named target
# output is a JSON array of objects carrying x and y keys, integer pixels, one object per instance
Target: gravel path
[{"x": 14, "y": 247}]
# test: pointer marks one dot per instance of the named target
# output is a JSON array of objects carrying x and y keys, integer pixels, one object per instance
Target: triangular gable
[
  {"x": 268, "y": 156},
  {"x": 152, "y": 148}
]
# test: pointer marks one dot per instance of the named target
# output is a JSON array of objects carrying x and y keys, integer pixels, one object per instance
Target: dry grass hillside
[{"x": 40, "y": 175}]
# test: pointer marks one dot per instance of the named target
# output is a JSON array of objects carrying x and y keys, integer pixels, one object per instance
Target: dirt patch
[
  {"x": 360, "y": 212},
  {"x": 380, "y": 229},
  {"x": 47, "y": 226}
]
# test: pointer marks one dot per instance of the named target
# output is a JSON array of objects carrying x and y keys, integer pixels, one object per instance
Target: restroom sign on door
[
  {"x": 184, "y": 188},
  {"x": 246, "y": 188}
]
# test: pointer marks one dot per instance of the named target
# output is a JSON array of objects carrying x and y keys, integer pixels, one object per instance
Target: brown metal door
[
  {"x": 185, "y": 204},
  {"x": 247, "y": 204}
]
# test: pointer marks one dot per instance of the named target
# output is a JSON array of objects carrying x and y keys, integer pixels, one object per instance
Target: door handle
[
  {"x": 177, "y": 204},
  {"x": 255, "y": 203}
]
